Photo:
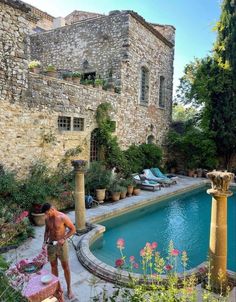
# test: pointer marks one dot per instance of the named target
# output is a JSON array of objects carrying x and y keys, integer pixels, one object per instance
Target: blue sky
[{"x": 193, "y": 20}]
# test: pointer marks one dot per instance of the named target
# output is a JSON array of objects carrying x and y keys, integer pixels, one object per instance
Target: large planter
[
  {"x": 115, "y": 196},
  {"x": 136, "y": 191},
  {"x": 100, "y": 195},
  {"x": 123, "y": 194},
  {"x": 130, "y": 190},
  {"x": 38, "y": 218}
]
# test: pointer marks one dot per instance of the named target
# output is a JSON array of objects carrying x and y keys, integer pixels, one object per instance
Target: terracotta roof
[{"x": 17, "y": 4}]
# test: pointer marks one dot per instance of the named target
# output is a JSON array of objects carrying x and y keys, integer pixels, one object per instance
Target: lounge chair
[
  {"x": 165, "y": 182},
  {"x": 147, "y": 184},
  {"x": 156, "y": 172}
]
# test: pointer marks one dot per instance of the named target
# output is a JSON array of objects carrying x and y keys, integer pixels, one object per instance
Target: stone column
[
  {"x": 80, "y": 218},
  {"x": 220, "y": 182}
]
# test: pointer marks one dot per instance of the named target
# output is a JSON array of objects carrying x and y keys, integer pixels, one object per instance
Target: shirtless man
[{"x": 56, "y": 233}]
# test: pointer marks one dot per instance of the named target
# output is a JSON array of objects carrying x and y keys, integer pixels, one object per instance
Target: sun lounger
[
  {"x": 147, "y": 184},
  {"x": 156, "y": 172},
  {"x": 165, "y": 182}
]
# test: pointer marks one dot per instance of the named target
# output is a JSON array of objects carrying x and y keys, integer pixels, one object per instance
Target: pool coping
[{"x": 118, "y": 276}]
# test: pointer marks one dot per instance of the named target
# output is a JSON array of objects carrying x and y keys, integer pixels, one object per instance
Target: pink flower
[
  {"x": 148, "y": 245},
  {"x": 119, "y": 262},
  {"x": 175, "y": 252},
  {"x": 120, "y": 243},
  {"x": 154, "y": 245},
  {"x": 21, "y": 216},
  {"x": 168, "y": 267},
  {"x": 131, "y": 258},
  {"x": 142, "y": 253},
  {"x": 202, "y": 270},
  {"x": 135, "y": 265}
]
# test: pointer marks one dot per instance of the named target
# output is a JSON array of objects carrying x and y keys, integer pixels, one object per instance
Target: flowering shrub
[
  {"x": 155, "y": 287},
  {"x": 14, "y": 224}
]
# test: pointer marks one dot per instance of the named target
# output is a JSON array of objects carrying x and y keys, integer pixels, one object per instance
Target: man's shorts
[{"x": 58, "y": 251}]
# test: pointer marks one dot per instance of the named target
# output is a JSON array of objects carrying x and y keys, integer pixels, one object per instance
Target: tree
[{"x": 210, "y": 84}]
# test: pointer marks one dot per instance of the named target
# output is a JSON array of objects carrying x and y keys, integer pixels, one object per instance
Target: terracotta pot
[
  {"x": 191, "y": 173},
  {"x": 123, "y": 194},
  {"x": 100, "y": 195},
  {"x": 115, "y": 196},
  {"x": 136, "y": 191},
  {"x": 130, "y": 190},
  {"x": 35, "y": 70},
  {"x": 38, "y": 218},
  {"x": 76, "y": 81},
  {"x": 52, "y": 74}
]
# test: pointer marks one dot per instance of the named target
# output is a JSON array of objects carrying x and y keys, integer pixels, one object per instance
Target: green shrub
[
  {"x": 143, "y": 156},
  {"x": 97, "y": 177}
]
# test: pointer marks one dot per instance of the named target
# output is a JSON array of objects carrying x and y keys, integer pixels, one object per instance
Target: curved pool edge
[{"x": 117, "y": 276}]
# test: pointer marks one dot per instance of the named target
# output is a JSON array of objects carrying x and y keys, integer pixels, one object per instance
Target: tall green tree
[{"x": 210, "y": 84}]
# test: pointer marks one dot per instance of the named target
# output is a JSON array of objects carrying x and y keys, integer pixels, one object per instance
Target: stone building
[{"x": 45, "y": 118}]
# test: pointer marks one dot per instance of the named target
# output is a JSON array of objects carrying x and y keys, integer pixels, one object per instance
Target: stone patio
[{"x": 81, "y": 278}]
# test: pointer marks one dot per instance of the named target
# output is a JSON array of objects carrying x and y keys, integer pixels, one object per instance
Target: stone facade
[
  {"x": 13, "y": 50},
  {"x": 77, "y": 16},
  {"x": 116, "y": 47}
]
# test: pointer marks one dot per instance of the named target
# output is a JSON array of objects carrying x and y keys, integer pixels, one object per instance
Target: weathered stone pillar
[
  {"x": 220, "y": 182},
  {"x": 80, "y": 218}
]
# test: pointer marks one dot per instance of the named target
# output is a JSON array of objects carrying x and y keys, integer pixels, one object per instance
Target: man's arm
[
  {"x": 46, "y": 232},
  {"x": 69, "y": 224}
]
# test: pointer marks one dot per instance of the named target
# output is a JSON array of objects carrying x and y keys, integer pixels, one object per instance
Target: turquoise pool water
[{"x": 184, "y": 219}]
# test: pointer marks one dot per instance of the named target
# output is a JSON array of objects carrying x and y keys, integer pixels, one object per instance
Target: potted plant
[
  {"x": 123, "y": 184},
  {"x": 76, "y": 76},
  {"x": 34, "y": 66},
  {"x": 98, "y": 82},
  {"x": 115, "y": 190},
  {"x": 67, "y": 76},
  {"x": 37, "y": 216},
  {"x": 136, "y": 190},
  {"x": 51, "y": 71},
  {"x": 97, "y": 179},
  {"x": 130, "y": 186}
]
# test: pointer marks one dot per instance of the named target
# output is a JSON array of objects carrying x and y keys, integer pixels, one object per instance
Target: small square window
[
  {"x": 78, "y": 124},
  {"x": 64, "y": 123}
]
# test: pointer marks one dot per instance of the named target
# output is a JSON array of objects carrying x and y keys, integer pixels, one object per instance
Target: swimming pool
[{"x": 184, "y": 219}]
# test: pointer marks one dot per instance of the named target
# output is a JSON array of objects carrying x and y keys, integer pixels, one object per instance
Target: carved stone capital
[
  {"x": 220, "y": 182},
  {"x": 79, "y": 165}
]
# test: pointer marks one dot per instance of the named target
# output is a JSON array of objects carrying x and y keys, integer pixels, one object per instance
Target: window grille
[
  {"x": 78, "y": 124},
  {"x": 64, "y": 123},
  {"x": 94, "y": 146},
  {"x": 144, "y": 85}
]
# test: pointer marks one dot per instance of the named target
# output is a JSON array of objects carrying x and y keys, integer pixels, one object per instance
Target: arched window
[
  {"x": 144, "y": 85},
  {"x": 94, "y": 146},
  {"x": 150, "y": 139},
  {"x": 162, "y": 92}
]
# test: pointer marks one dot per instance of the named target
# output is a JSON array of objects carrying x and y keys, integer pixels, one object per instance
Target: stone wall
[
  {"x": 77, "y": 16},
  {"x": 145, "y": 49},
  {"x": 13, "y": 50},
  {"x": 32, "y": 103},
  {"x": 24, "y": 126},
  {"x": 99, "y": 41}
]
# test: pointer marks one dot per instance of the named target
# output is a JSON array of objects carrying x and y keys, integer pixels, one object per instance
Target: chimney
[{"x": 58, "y": 22}]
